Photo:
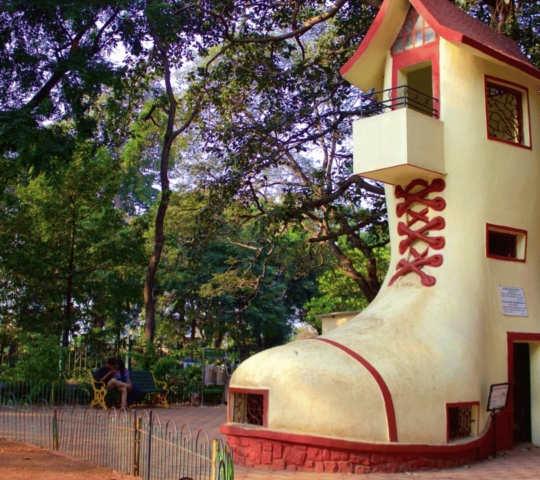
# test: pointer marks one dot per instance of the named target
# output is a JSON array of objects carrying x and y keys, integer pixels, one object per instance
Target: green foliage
[
  {"x": 266, "y": 226},
  {"x": 148, "y": 359},
  {"x": 165, "y": 367},
  {"x": 67, "y": 254},
  {"x": 38, "y": 361},
  {"x": 338, "y": 293}
]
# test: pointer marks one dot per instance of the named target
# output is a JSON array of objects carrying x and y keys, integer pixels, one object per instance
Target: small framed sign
[{"x": 498, "y": 396}]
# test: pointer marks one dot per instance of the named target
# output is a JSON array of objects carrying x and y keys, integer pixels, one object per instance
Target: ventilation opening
[
  {"x": 462, "y": 421},
  {"x": 248, "y": 408},
  {"x": 504, "y": 243}
]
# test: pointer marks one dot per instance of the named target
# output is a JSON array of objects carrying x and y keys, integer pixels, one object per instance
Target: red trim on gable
[
  {"x": 461, "y": 404},
  {"x": 455, "y": 26},
  {"x": 508, "y": 229},
  {"x": 520, "y": 65},
  {"x": 387, "y": 397},
  {"x": 256, "y": 391},
  {"x": 367, "y": 39}
]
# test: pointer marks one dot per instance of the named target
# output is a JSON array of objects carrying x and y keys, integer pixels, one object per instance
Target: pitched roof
[{"x": 454, "y": 25}]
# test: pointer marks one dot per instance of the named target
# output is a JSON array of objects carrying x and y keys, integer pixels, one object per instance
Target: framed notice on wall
[
  {"x": 498, "y": 396},
  {"x": 513, "y": 302}
]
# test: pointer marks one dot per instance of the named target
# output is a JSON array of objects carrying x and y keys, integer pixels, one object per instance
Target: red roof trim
[
  {"x": 512, "y": 56},
  {"x": 513, "y": 62},
  {"x": 367, "y": 39}
]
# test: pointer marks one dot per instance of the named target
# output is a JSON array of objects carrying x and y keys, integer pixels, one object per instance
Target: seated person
[
  {"x": 122, "y": 375},
  {"x": 107, "y": 375}
]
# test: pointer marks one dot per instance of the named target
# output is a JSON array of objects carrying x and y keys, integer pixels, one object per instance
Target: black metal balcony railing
[{"x": 398, "y": 97}]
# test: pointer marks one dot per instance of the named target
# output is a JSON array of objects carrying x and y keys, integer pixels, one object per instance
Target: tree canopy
[{"x": 185, "y": 169}]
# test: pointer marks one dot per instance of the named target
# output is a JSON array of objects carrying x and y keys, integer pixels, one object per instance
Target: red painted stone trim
[
  {"x": 510, "y": 230},
  {"x": 387, "y": 396},
  {"x": 461, "y": 404},
  {"x": 256, "y": 391},
  {"x": 262, "y": 448}
]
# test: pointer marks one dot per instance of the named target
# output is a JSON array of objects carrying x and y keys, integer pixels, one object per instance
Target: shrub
[{"x": 39, "y": 360}]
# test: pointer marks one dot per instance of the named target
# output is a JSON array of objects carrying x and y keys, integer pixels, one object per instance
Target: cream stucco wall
[
  {"x": 431, "y": 345},
  {"x": 335, "y": 320},
  {"x": 399, "y": 146}
]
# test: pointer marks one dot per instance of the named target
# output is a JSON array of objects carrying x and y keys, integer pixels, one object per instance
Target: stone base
[{"x": 261, "y": 448}]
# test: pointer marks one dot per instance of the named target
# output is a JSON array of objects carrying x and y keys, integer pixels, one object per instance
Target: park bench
[{"x": 144, "y": 380}]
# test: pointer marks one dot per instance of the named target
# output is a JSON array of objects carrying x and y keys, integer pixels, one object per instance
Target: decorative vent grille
[
  {"x": 248, "y": 408},
  {"x": 460, "y": 422}
]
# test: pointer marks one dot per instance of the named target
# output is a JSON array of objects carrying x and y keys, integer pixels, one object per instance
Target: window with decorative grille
[
  {"x": 248, "y": 408},
  {"x": 414, "y": 33},
  {"x": 459, "y": 422},
  {"x": 505, "y": 113}
]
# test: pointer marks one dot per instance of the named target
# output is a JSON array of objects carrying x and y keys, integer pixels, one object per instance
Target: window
[
  {"x": 507, "y": 112},
  {"x": 462, "y": 420},
  {"x": 502, "y": 244},
  {"x": 414, "y": 33},
  {"x": 248, "y": 406},
  {"x": 505, "y": 243}
]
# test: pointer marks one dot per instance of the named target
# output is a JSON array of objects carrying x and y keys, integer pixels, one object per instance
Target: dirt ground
[{"x": 23, "y": 462}]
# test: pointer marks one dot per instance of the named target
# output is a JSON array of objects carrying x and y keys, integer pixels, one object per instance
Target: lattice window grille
[
  {"x": 460, "y": 422},
  {"x": 248, "y": 408},
  {"x": 505, "y": 113}
]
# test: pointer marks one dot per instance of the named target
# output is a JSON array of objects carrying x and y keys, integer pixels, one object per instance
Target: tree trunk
[
  {"x": 159, "y": 241},
  {"x": 193, "y": 328},
  {"x": 69, "y": 293}
]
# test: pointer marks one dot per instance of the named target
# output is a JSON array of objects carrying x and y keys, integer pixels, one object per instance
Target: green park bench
[{"x": 144, "y": 380}]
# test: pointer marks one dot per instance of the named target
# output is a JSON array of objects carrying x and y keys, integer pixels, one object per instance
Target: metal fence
[
  {"x": 67, "y": 393},
  {"x": 139, "y": 445},
  {"x": 44, "y": 393}
]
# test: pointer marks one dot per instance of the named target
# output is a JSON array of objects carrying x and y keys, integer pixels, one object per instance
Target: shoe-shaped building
[{"x": 453, "y": 131}]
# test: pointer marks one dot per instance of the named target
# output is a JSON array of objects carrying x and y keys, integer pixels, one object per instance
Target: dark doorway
[{"x": 522, "y": 393}]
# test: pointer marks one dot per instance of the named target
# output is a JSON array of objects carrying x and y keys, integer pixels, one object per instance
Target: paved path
[
  {"x": 209, "y": 419},
  {"x": 522, "y": 463}
]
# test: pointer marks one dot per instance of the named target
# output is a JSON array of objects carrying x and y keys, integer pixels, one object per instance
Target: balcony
[{"x": 400, "y": 138}]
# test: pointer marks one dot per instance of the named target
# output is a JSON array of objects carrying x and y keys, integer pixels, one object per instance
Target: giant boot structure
[{"x": 454, "y": 134}]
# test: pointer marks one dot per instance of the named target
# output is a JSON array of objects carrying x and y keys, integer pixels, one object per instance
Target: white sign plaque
[
  {"x": 513, "y": 302},
  {"x": 498, "y": 396}
]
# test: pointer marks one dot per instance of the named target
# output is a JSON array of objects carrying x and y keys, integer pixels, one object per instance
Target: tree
[
  {"x": 278, "y": 139},
  {"x": 65, "y": 247},
  {"x": 211, "y": 285},
  {"x": 53, "y": 65}
]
